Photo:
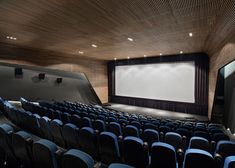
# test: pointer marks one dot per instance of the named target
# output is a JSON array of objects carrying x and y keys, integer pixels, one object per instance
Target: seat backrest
[
  {"x": 196, "y": 158},
  {"x": 76, "y": 120},
  {"x": 56, "y": 130},
  {"x": 199, "y": 143},
  {"x": 45, "y": 128},
  {"x": 70, "y": 135},
  {"x": 150, "y": 136},
  {"x": 74, "y": 158},
  {"x": 229, "y": 162},
  {"x": 44, "y": 153},
  {"x": 65, "y": 117},
  {"x": 164, "y": 129},
  {"x": 219, "y": 137},
  {"x": 136, "y": 124},
  {"x": 86, "y": 122},
  {"x": 6, "y": 131},
  {"x": 119, "y": 165},
  {"x": 225, "y": 148},
  {"x": 22, "y": 144},
  {"x": 163, "y": 155},
  {"x": 131, "y": 130},
  {"x": 115, "y": 128},
  {"x": 134, "y": 152},
  {"x": 87, "y": 141},
  {"x": 202, "y": 134},
  {"x": 109, "y": 148},
  {"x": 174, "y": 139},
  {"x": 99, "y": 125}
]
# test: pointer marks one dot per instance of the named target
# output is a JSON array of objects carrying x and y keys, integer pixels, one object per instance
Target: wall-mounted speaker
[
  {"x": 18, "y": 72},
  {"x": 59, "y": 80},
  {"x": 41, "y": 76}
]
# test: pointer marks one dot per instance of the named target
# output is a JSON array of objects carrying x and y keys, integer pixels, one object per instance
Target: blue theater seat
[
  {"x": 134, "y": 152},
  {"x": 229, "y": 162},
  {"x": 196, "y": 158},
  {"x": 86, "y": 122},
  {"x": 22, "y": 144},
  {"x": 76, "y": 120},
  {"x": 108, "y": 148},
  {"x": 70, "y": 135},
  {"x": 88, "y": 142},
  {"x": 56, "y": 130},
  {"x": 225, "y": 149},
  {"x": 45, "y": 127},
  {"x": 115, "y": 128},
  {"x": 44, "y": 153},
  {"x": 74, "y": 158},
  {"x": 199, "y": 143},
  {"x": 99, "y": 125},
  {"x": 150, "y": 136},
  {"x": 163, "y": 155},
  {"x": 174, "y": 139},
  {"x": 131, "y": 130}
]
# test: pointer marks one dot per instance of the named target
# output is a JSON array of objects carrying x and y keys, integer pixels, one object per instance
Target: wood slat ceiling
[{"x": 157, "y": 26}]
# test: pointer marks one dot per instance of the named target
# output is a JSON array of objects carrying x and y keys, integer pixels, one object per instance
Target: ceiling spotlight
[
  {"x": 130, "y": 39},
  {"x": 93, "y": 45},
  {"x": 190, "y": 34},
  {"x": 115, "y": 59},
  {"x": 11, "y": 38},
  {"x": 181, "y": 52},
  {"x": 7, "y": 37},
  {"x": 128, "y": 57},
  {"x": 80, "y": 52},
  {"x": 160, "y": 54},
  {"x": 145, "y": 55},
  {"x": 14, "y": 38}
]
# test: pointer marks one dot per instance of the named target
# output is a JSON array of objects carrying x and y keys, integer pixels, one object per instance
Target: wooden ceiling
[{"x": 156, "y": 26}]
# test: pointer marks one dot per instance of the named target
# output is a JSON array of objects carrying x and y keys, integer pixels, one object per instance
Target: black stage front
[{"x": 157, "y": 113}]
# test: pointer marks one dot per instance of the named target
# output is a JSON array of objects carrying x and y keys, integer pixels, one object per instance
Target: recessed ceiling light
[
  {"x": 128, "y": 57},
  {"x": 160, "y": 54},
  {"x": 93, "y": 45},
  {"x": 130, "y": 39},
  {"x": 145, "y": 55},
  {"x": 115, "y": 59},
  {"x": 11, "y": 38},
  {"x": 80, "y": 52},
  {"x": 181, "y": 52},
  {"x": 190, "y": 34}
]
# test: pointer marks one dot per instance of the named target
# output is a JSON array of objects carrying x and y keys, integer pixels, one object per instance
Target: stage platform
[{"x": 157, "y": 112}]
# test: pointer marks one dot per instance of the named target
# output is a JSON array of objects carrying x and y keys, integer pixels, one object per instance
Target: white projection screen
[{"x": 159, "y": 81}]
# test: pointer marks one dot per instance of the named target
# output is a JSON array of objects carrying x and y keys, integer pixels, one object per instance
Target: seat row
[
  {"x": 212, "y": 132},
  {"x": 107, "y": 144}
]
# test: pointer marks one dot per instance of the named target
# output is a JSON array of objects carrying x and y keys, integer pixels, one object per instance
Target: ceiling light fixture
[
  {"x": 115, "y": 59},
  {"x": 190, "y": 34},
  {"x": 128, "y": 57},
  {"x": 145, "y": 55},
  {"x": 93, "y": 45},
  {"x": 181, "y": 52},
  {"x": 80, "y": 52},
  {"x": 160, "y": 54},
  {"x": 11, "y": 38},
  {"x": 130, "y": 39}
]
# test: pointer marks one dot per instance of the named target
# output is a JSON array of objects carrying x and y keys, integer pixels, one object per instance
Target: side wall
[{"x": 95, "y": 70}]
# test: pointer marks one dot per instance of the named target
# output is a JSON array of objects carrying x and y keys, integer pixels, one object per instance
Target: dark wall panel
[{"x": 74, "y": 86}]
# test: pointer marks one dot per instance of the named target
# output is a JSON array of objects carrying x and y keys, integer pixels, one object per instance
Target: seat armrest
[
  {"x": 218, "y": 160},
  {"x": 146, "y": 145}
]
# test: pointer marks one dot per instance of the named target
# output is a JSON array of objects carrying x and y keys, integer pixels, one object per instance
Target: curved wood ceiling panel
[{"x": 157, "y": 26}]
